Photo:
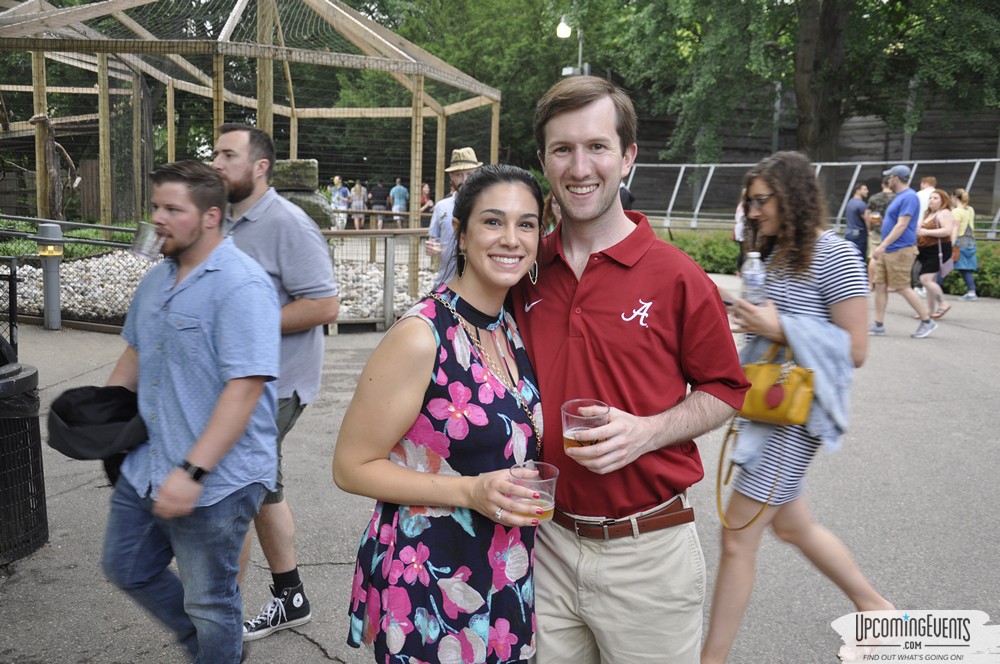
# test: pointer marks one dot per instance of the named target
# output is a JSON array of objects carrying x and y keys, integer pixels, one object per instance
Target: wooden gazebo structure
[{"x": 186, "y": 47}]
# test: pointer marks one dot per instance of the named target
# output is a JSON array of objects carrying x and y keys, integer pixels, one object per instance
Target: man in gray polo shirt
[{"x": 290, "y": 248}]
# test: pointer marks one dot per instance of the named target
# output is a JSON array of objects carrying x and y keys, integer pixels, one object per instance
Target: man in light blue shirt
[
  {"x": 400, "y": 197},
  {"x": 203, "y": 334}
]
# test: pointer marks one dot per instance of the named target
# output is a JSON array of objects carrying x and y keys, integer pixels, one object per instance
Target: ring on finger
[{"x": 499, "y": 513}]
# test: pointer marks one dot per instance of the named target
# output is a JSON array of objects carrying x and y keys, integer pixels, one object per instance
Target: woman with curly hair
[{"x": 817, "y": 301}]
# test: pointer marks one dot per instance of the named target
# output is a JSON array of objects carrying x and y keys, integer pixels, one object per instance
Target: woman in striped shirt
[{"x": 810, "y": 272}]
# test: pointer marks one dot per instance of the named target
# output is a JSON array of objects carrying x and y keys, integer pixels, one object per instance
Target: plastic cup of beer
[
  {"x": 540, "y": 478},
  {"x": 876, "y": 218},
  {"x": 147, "y": 242},
  {"x": 580, "y": 415},
  {"x": 432, "y": 246}
]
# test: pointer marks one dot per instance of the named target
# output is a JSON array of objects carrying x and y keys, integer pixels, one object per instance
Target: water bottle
[{"x": 754, "y": 276}]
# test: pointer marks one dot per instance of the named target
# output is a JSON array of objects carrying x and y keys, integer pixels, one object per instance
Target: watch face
[{"x": 197, "y": 473}]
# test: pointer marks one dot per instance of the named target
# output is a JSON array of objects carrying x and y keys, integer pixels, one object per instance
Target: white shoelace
[{"x": 267, "y": 613}]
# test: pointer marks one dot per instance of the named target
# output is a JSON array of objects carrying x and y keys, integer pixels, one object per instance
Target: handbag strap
[
  {"x": 771, "y": 354},
  {"x": 732, "y": 433}
]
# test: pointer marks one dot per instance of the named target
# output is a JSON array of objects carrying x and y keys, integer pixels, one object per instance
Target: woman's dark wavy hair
[
  {"x": 801, "y": 210},
  {"x": 484, "y": 178}
]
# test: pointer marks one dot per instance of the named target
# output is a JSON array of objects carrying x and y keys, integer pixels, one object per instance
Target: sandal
[{"x": 941, "y": 312}]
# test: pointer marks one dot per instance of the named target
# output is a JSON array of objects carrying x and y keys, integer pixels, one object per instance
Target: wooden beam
[
  {"x": 171, "y": 124},
  {"x": 41, "y": 107},
  {"x": 104, "y": 138},
  {"x": 440, "y": 148},
  {"x": 184, "y": 64},
  {"x": 67, "y": 119},
  {"x": 468, "y": 105},
  {"x": 234, "y": 18},
  {"x": 416, "y": 163},
  {"x": 244, "y": 50},
  {"x": 53, "y": 19},
  {"x": 57, "y": 89},
  {"x": 265, "y": 66},
  {"x": 218, "y": 87},
  {"x": 495, "y": 134},
  {"x": 416, "y": 157},
  {"x": 137, "y": 174}
]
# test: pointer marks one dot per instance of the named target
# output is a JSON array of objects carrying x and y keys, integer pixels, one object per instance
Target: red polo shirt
[{"x": 642, "y": 325}]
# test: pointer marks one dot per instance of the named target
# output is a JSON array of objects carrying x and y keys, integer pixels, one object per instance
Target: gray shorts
[{"x": 289, "y": 410}]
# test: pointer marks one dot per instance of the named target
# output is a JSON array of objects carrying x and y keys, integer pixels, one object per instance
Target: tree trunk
[{"x": 819, "y": 88}]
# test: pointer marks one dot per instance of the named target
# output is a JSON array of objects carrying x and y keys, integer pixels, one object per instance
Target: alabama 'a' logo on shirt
[{"x": 639, "y": 313}]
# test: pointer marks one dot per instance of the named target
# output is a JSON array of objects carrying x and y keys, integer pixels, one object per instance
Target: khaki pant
[{"x": 627, "y": 601}]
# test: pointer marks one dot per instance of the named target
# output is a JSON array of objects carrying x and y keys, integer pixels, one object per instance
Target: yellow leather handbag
[{"x": 780, "y": 392}]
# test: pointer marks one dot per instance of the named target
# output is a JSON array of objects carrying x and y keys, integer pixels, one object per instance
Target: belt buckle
[{"x": 603, "y": 524}]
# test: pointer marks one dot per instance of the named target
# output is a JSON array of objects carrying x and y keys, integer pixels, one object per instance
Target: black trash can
[{"x": 24, "y": 525}]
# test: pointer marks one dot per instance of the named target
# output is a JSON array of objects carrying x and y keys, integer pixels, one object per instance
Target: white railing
[{"x": 708, "y": 193}]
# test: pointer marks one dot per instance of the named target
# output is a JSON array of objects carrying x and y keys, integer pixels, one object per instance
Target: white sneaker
[
  {"x": 971, "y": 295},
  {"x": 924, "y": 329},
  {"x": 921, "y": 291}
]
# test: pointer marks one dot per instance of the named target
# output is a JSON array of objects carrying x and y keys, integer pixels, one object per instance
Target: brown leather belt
[{"x": 670, "y": 515}]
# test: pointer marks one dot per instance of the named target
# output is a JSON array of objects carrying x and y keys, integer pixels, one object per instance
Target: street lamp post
[{"x": 564, "y": 31}]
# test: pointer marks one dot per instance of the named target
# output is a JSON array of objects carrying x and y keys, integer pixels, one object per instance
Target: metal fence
[
  {"x": 8, "y": 302},
  {"x": 380, "y": 273},
  {"x": 705, "y": 195}
]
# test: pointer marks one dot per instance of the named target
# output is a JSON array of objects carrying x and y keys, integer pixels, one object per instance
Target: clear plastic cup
[
  {"x": 580, "y": 415},
  {"x": 540, "y": 478},
  {"x": 147, "y": 243}
]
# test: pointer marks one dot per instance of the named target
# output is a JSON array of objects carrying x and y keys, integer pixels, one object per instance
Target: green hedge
[
  {"x": 717, "y": 253},
  {"x": 713, "y": 250}
]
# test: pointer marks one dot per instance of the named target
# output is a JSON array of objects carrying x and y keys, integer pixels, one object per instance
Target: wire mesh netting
[{"x": 342, "y": 88}]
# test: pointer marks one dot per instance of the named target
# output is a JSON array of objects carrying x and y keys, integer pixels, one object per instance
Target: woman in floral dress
[{"x": 445, "y": 406}]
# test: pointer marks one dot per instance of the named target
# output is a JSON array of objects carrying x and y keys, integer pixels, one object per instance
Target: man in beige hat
[{"x": 463, "y": 163}]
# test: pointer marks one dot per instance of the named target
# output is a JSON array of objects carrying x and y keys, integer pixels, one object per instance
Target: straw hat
[{"x": 463, "y": 159}]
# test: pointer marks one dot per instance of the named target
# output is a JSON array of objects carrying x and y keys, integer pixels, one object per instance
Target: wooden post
[
  {"x": 293, "y": 136},
  {"x": 218, "y": 87},
  {"x": 495, "y": 134},
  {"x": 266, "y": 11},
  {"x": 41, "y": 104},
  {"x": 171, "y": 124},
  {"x": 440, "y": 181},
  {"x": 138, "y": 186},
  {"x": 416, "y": 175},
  {"x": 416, "y": 151},
  {"x": 104, "y": 140}
]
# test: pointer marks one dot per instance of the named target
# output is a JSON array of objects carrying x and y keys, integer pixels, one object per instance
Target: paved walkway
[{"x": 913, "y": 494}]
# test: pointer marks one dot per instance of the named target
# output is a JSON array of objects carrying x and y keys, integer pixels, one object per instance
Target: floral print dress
[{"x": 439, "y": 584}]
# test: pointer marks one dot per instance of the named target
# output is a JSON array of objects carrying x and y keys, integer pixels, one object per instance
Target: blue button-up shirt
[{"x": 220, "y": 323}]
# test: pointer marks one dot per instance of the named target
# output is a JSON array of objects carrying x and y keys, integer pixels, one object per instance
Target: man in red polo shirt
[{"x": 621, "y": 316}]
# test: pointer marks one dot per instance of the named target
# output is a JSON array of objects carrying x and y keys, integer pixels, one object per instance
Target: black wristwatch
[{"x": 197, "y": 473}]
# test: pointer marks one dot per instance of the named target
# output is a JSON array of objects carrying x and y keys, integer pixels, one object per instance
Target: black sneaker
[{"x": 289, "y": 609}]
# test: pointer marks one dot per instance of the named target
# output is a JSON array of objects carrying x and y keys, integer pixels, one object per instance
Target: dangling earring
[
  {"x": 533, "y": 273},
  {"x": 460, "y": 262}
]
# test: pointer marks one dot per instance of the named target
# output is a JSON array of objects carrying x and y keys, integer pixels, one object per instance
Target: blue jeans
[{"x": 202, "y": 606}]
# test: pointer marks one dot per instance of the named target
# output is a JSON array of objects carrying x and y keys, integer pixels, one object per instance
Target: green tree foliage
[
  {"x": 512, "y": 47},
  {"x": 716, "y": 63}
]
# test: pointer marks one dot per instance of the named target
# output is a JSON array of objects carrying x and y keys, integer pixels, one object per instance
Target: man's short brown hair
[
  {"x": 930, "y": 180},
  {"x": 575, "y": 92},
  {"x": 205, "y": 186}
]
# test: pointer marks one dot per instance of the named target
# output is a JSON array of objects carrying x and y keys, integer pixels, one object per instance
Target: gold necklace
[{"x": 491, "y": 365}]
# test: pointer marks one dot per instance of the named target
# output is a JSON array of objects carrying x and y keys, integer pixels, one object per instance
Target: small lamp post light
[
  {"x": 50, "y": 248},
  {"x": 564, "y": 31}
]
